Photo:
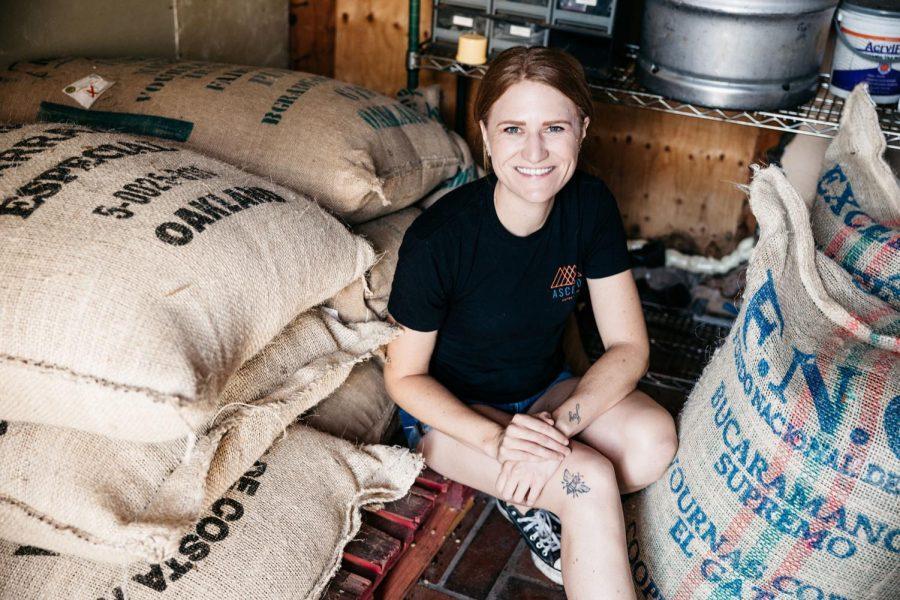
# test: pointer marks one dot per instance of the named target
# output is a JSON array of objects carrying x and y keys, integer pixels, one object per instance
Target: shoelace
[
  {"x": 541, "y": 531},
  {"x": 554, "y": 522}
]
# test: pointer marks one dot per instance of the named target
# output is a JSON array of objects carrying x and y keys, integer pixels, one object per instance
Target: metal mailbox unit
[
  {"x": 536, "y": 9},
  {"x": 519, "y": 23},
  {"x": 506, "y": 34},
  {"x": 586, "y": 15},
  {"x": 483, "y": 5},
  {"x": 451, "y": 20}
]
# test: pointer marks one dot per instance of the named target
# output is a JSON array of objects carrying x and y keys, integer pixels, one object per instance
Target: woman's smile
[{"x": 534, "y": 173}]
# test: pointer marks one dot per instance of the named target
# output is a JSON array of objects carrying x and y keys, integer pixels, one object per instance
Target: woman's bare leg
[
  {"x": 637, "y": 435},
  {"x": 594, "y": 560}
]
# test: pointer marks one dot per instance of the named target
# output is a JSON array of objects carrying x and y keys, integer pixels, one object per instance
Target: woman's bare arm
[{"x": 617, "y": 310}]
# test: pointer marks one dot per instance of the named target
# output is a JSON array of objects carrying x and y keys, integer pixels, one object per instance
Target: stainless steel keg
[{"x": 744, "y": 54}]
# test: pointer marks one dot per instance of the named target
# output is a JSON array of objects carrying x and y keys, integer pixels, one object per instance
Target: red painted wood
[
  {"x": 372, "y": 551},
  {"x": 424, "y": 492},
  {"x": 412, "y": 509},
  {"x": 450, "y": 509},
  {"x": 348, "y": 586},
  {"x": 434, "y": 481},
  {"x": 405, "y": 531},
  {"x": 404, "y": 536}
]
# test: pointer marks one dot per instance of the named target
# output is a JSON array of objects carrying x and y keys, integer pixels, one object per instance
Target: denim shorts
[{"x": 415, "y": 430}]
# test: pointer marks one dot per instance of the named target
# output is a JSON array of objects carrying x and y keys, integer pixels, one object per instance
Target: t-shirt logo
[{"x": 566, "y": 284}]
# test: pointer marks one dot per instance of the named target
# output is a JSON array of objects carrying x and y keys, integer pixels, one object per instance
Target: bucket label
[
  {"x": 876, "y": 71},
  {"x": 882, "y": 80}
]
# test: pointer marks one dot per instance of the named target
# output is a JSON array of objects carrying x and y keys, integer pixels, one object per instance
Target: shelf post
[
  {"x": 462, "y": 103},
  {"x": 412, "y": 53}
]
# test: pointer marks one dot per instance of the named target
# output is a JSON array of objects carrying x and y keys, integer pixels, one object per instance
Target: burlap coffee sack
[
  {"x": 117, "y": 501},
  {"x": 367, "y": 300},
  {"x": 359, "y": 411},
  {"x": 468, "y": 171},
  {"x": 786, "y": 481},
  {"x": 427, "y": 100},
  {"x": 137, "y": 277},
  {"x": 357, "y": 152},
  {"x": 277, "y": 533},
  {"x": 856, "y": 211}
]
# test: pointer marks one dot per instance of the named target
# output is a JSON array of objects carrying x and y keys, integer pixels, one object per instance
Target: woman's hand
[
  {"x": 521, "y": 483},
  {"x": 531, "y": 438}
]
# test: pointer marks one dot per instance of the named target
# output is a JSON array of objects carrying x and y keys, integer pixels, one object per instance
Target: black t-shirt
[{"x": 500, "y": 301}]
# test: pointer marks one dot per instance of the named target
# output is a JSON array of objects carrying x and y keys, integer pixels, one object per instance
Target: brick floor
[
  {"x": 451, "y": 547},
  {"x": 517, "y": 588},
  {"x": 484, "y": 559}
]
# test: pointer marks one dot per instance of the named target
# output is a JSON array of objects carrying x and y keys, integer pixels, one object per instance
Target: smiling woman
[{"x": 485, "y": 280}]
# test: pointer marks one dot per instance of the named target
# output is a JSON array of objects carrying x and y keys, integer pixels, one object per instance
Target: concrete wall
[{"x": 251, "y": 32}]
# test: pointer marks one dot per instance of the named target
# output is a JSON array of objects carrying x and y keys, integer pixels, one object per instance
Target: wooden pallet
[{"x": 396, "y": 543}]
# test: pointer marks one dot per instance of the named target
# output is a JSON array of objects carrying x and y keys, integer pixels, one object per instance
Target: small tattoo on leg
[
  {"x": 573, "y": 484},
  {"x": 575, "y": 415}
]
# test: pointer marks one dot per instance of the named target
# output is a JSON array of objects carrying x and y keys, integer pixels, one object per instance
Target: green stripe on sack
[{"x": 161, "y": 127}]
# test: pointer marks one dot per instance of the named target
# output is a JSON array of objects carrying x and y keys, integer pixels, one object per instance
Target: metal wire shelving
[{"x": 818, "y": 117}]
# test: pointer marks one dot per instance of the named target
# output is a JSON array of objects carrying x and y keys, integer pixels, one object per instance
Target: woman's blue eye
[
  {"x": 556, "y": 128},
  {"x": 511, "y": 129}
]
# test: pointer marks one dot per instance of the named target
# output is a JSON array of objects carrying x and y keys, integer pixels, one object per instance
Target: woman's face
[{"x": 533, "y": 134}]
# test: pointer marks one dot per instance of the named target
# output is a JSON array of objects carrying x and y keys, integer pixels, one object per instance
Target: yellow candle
[{"x": 472, "y": 49}]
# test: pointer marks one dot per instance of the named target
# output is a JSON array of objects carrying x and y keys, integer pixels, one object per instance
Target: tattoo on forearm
[
  {"x": 575, "y": 415},
  {"x": 574, "y": 484}
]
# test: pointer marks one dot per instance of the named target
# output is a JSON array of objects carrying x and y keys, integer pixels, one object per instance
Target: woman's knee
[
  {"x": 586, "y": 473},
  {"x": 655, "y": 448}
]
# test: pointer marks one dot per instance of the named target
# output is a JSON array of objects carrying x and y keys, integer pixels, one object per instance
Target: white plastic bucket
[{"x": 867, "y": 51}]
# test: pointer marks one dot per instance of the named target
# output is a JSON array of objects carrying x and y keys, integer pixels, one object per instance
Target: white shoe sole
[
  {"x": 501, "y": 511},
  {"x": 548, "y": 571}
]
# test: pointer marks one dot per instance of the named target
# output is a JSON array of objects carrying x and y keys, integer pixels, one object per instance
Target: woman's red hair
[{"x": 550, "y": 66}]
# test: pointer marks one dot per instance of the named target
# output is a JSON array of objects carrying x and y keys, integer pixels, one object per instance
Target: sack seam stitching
[
  {"x": 39, "y": 365},
  {"x": 53, "y": 523},
  {"x": 411, "y": 167}
]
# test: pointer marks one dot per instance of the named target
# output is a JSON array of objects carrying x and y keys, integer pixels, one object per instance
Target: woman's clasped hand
[
  {"x": 529, "y": 449},
  {"x": 531, "y": 438}
]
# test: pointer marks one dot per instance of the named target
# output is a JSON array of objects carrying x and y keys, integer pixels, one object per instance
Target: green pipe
[{"x": 412, "y": 71}]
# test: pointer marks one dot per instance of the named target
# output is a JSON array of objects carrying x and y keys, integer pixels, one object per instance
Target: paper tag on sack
[{"x": 85, "y": 91}]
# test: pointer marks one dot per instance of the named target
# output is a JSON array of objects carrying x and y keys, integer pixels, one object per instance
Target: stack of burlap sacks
[
  {"x": 787, "y": 480},
  {"x": 172, "y": 302}
]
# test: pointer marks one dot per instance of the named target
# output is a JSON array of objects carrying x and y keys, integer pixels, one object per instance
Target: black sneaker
[
  {"x": 555, "y": 523},
  {"x": 541, "y": 531}
]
